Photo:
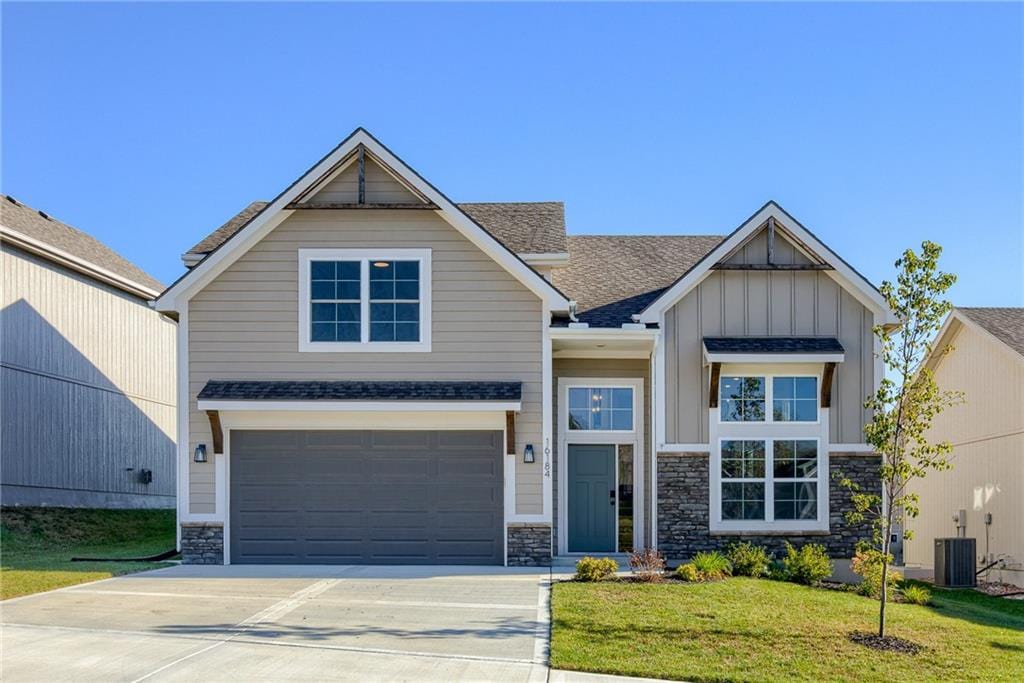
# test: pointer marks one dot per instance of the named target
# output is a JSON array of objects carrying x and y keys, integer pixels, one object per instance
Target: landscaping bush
[
  {"x": 596, "y": 569},
  {"x": 777, "y": 571},
  {"x": 647, "y": 565},
  {"x": 917, "y": 595},
  {"x": 687, "y": 572},
  {"x": 748, "y": 559},
  {"x": 711, "y": 566},
  {"x": 867, "y": 564},
  {"x": 808, "y": 565}
]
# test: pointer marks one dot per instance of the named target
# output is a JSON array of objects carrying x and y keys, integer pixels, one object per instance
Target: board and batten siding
[
  {"x": 486, "y": 325},
  {"x": 88, "y": 389},
  {"x": 987, "y": 474},
  {"x": 760, "y": 303}
]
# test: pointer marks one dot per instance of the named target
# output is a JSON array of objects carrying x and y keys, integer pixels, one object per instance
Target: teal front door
[{"x": 591, "y": 504}]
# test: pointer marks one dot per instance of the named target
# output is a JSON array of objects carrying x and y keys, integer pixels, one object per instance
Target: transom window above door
[
  {"x": 601, "y": 409},
  {"x": 746, "y": 398},
  {"x": 364, "y": 300}
]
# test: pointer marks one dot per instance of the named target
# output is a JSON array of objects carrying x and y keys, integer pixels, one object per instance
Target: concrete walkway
[{"x": 286, "y": 623}]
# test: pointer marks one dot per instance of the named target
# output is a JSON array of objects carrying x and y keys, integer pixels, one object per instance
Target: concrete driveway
[{"x": 284, "y": 623}]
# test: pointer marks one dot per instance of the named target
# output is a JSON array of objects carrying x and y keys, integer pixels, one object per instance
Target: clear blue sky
[{"x": 875, "y": 125}]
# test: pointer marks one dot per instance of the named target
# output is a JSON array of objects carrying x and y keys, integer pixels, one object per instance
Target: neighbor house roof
[
  {"x": 523, "y": 227},
  {"x": 59, "y": 241},
  {"x": 359, "y": 391},
  {"x": 612, "y": 277},
  {"x": 1006, "y": 324}
]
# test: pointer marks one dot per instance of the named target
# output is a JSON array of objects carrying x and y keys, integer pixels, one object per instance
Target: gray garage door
[{"x": 366, "y": 497}]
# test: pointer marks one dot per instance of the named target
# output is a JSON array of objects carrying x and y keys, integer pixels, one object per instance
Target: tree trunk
[{"x": 886, "y": 540}]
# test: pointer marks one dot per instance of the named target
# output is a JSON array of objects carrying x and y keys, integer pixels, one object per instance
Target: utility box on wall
[{"x": 955, "y": 563}]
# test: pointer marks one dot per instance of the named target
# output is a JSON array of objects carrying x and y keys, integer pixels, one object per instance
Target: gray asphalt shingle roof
[
  {"x": 773, "y": 345},
  {"x": 612, "y": 277},
  {"x": 48, "y": 230},
  {"x": 344, "y": 390},
  {"x": 523, "y": 227},
  {"x": 1006, "y": 324}
]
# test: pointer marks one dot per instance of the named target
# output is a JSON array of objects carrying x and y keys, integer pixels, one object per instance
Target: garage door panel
[
  {"x": 466, "y": 467},
  {"x": 415, "y": 497}
]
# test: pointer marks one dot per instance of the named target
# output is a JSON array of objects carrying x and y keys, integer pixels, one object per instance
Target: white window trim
[
  {"x": 769, "y": 431},
  {"x": 598, "y": 384},
  {"x": 306, "y": 256},
  {"x": 634, "y": 438},
  {"x": 769, "y": 397},
  {"x": 820, "y": 523}
]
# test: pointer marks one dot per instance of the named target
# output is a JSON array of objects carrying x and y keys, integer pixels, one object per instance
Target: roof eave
[{"x": 77, "y": 264}]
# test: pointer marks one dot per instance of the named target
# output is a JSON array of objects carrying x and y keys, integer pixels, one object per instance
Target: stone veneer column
[
  {"x": 684, "y": 508},
  {"x": 529, "y": 545},
  {"x": 202, "y": 543}
]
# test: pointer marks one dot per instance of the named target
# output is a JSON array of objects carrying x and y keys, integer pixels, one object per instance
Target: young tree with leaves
[{"x": 906, "y": 402}]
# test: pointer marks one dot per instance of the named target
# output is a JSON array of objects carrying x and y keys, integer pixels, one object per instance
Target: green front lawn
[
  {"x": 37, "y": 544},
  {"x": 759, "y": 630}
]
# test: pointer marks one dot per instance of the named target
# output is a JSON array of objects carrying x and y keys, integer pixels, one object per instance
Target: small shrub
[
  {"x": 712, "y": 566},
  {"x": 748, "y": 559},
  {"x": 808, "y": 565},
  {"x": 917, "y": 595},
  {"x": 596, "y": 569},
  {"x": 647, "y": 565},
  {"x": 867, "y": 564},
  {"x": 777, "y": 571},
  {"x": 687, "y": 572}
]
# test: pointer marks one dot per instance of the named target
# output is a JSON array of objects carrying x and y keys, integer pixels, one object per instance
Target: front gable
[
  {"x": 772, "y": 241},
  {"x": 330, "y": 183}
]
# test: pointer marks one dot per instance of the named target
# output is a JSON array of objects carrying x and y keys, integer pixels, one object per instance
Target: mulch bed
[
  {"x": 1000, "y": 590},
  {"x": 887, "y": 644}
]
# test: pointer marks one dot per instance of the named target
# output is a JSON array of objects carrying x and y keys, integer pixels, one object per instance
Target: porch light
[
  {"x": 200, "y": 454},
  {"x": 528, "y": 453}
]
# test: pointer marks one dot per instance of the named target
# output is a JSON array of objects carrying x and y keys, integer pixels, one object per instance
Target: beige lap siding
[{"x": 486, "y": 326}]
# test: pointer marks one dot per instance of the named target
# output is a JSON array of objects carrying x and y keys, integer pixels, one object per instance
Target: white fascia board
[
  {"x": 363, "y": 406},
  {"x": 552, "y": 260},
  {"x": 76, "y": 263},
  {"x": 772, "y": 358},
  {"x": 843, "y": 273},
  {"x": 176, "y": 296},
  {"x": 602, "y": 333}
]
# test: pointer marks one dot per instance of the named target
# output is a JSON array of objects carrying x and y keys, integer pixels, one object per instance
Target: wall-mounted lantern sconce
[
  {"x": 200, "y": 454},
  {"x": 528, "y": 453}
]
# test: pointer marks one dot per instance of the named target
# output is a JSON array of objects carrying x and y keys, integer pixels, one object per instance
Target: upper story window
[
  {"x": 744, "y": 399},
  {"x": 601, "y": 409},
  {"x": 364, "y": 300}
]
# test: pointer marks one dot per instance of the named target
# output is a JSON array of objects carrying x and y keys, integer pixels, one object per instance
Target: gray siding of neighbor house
[
  {"x": 760, "y": 303},
  {"x": 486, "y": 325},
  {"x": 88, "y": 390},
  {"x": 602, "y": 368}
]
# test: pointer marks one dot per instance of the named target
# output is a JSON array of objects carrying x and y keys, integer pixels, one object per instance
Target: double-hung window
[
  {"x": 767, "y": 469},
  {"x": 364, "y": 300}
]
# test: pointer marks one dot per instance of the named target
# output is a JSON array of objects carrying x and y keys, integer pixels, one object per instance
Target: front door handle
[{"x": 611, "y": 494}]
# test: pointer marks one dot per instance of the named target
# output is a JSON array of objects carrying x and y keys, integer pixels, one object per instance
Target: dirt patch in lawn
[{"x": 885, "y": 643}]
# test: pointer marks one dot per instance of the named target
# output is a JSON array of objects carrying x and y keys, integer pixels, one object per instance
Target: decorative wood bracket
[
  {"x": 362, "y": 174},
  {"x": 771, "y": 240},
  {"x": 826, "y": 385},
  {"x": 716, "y": 370},
  {"x": 218, "y": 433},
  {"x": 510, "y": 432}
]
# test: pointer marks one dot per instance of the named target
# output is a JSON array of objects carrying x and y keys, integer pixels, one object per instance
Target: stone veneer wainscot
[
  {"x": 684, "y": 508},
  {"x": 529, "y": 545},
  {"x": 202, "y": 544}
]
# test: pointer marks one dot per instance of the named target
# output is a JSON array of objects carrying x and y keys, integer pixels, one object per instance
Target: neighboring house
[
  {"x": 371, "y": 373},
  {"x": 87, "y": 386},
  {"x": 987, "y": 434}
]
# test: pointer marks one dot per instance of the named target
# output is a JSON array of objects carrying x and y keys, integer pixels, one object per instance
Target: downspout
[{"x": 572, "y": 312}]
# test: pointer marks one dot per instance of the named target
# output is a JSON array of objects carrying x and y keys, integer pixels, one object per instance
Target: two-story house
[{"x": 373, "y": 373}]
